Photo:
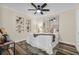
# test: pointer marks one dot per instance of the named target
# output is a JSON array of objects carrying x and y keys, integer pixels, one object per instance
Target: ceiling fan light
[{"x": 38, "y": 11}]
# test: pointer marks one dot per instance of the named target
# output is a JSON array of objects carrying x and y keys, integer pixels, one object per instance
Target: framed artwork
[
  {"x": 50, "y": 24},
  {"x": 22, "y": 24},
  {"x": 19, "y": 24},
  {"x": 28, "y": 25}
]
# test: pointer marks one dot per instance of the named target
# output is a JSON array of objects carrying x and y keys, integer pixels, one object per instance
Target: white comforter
[{"x": 43, "y": 42}]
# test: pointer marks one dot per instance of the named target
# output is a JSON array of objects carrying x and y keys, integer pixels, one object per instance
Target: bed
[{"x": 44, "y": 41}]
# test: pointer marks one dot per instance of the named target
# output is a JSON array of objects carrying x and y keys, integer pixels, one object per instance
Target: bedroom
[{"x": 36, "y": 31}]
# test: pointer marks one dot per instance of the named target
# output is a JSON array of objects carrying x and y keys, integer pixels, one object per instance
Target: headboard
[{"x": 53, "y": 35}]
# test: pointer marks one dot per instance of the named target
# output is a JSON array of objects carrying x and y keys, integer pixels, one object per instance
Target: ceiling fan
[{"x": 39, "y": 8}]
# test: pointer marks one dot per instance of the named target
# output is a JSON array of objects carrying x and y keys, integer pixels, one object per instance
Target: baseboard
[
  {"x": 70, "y": 43},
  {"x": 19, "y": 41}
]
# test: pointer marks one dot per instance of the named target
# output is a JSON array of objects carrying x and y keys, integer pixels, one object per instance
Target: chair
[{"x": 6, "y": 46}]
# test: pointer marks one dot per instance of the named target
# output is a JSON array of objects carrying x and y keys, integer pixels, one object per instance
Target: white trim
[
  {"x": 19, "y": 40},
  {"x": 68, "y": 43}
]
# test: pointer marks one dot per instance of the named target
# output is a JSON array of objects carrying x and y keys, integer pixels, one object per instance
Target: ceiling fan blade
[
  {"x": 45, "y": 10},
  {"x": 42, "y": 13},
  {"x": 33, "y": 5},
  {"x": 32, "y": 9},
  {"x": 43, "y": 5}
]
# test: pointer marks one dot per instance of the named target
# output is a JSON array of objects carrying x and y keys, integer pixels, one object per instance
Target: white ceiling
[{"x": 54, "y": 7}]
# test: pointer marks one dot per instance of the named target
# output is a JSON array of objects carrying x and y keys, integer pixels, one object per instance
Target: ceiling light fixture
[
  {"x": 39, "y": 8},
  {"x": 38, "y": 11}
]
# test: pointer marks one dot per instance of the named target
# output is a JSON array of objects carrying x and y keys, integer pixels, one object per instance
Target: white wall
[
  {"x": 0, "y": 16},
  {"x": 67, "y": 27},
  {"x": 8, "y": 21},
  {"x": 66, "y": 24}
]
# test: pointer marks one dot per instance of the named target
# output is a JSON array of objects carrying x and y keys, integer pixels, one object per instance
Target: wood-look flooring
[
  {"x": 22, "y": 48},
  {"x": 66, "y": 49}
]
